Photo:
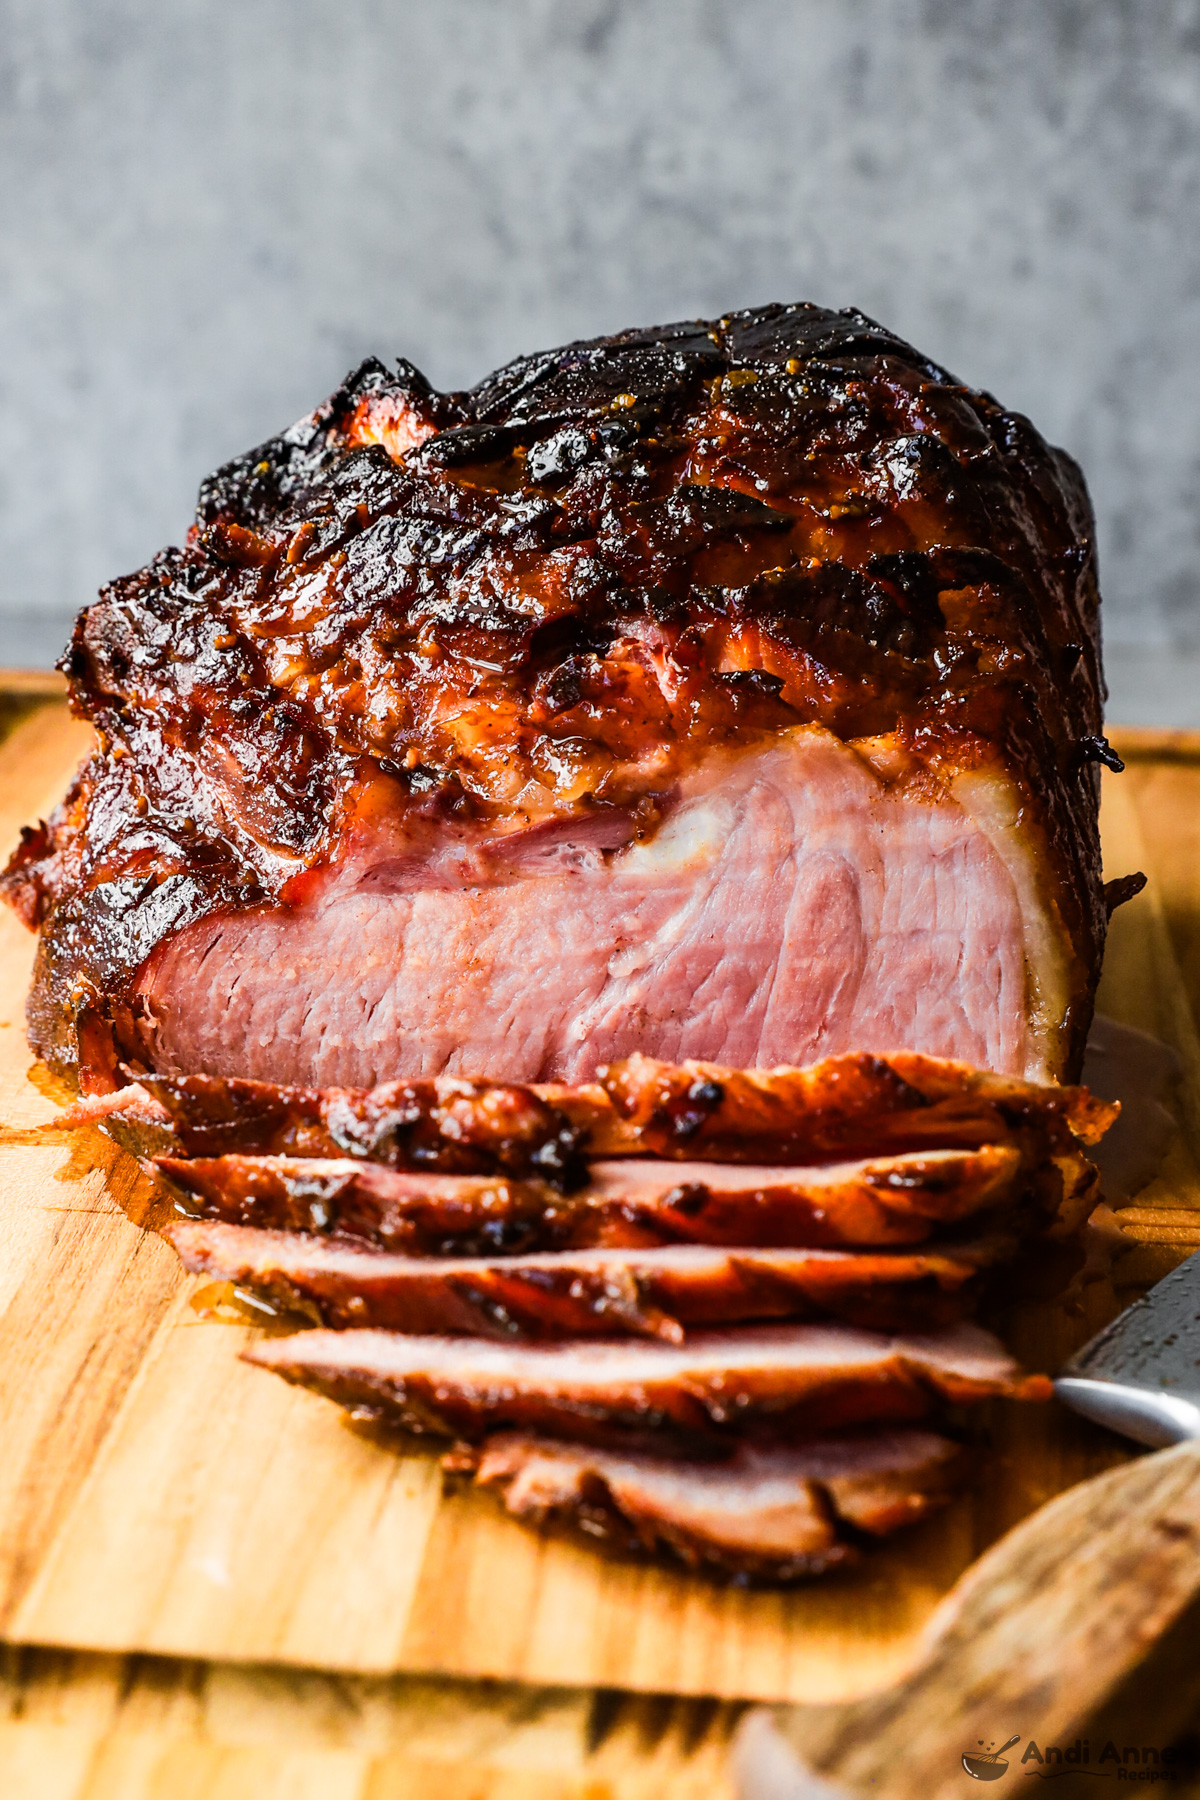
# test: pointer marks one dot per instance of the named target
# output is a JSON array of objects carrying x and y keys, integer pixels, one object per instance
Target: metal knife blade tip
[{"x": 1141, "y": 1374}]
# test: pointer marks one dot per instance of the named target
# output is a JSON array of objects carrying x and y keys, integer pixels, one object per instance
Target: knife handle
[{"x": 1035, "y": 1639}]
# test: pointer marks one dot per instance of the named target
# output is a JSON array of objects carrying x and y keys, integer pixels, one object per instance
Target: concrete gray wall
[{"x": 209, "y": 209}]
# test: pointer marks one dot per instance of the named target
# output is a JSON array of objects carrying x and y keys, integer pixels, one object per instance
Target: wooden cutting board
[{"x": 158, "y": 1495}]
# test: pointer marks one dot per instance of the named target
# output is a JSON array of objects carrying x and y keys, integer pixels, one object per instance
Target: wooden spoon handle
[{"x": 1033, "y": 1639}]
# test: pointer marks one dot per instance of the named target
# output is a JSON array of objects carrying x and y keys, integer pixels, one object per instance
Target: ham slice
[
  {"x": 628, "y": 1201},
  {"x": 688, "y": 1399},
  {"x": 559, "y": 1294},
  {"x": 775, "y": 1512},
  {"x": 847, "y": 1106}
]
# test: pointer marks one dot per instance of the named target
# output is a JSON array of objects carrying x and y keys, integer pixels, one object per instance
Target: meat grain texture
[
  {"x": 727, "y": 690},
  {"x": 607, "y": 863}
]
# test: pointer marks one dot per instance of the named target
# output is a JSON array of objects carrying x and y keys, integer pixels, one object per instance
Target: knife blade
[{"x": 1141, "y": 1374}]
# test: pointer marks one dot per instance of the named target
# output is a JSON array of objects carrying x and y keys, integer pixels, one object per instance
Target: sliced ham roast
[
  {"x": 629, "y": 829},
  {"x": 689, "y": 1399},
  {"x": 729, "y": 690},
  {"x": 629, "y": 1201},
  {"x": 651, "y": 1293},
  {"x": 772, "y": 1512}
]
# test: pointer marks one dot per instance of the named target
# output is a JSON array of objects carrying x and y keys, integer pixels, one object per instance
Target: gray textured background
[{"x": 209, "y": 210}]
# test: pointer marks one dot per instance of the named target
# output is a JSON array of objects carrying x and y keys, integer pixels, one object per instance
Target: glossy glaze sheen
[{"x": 542, "y": 600}]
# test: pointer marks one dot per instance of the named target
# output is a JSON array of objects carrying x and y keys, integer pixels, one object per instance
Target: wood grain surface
[
  {"x": 77, "y": 1725},
  {"x": 158, "y": 1496}
]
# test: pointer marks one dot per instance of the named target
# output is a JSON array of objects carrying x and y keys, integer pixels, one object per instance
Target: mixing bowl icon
[{"x": 988, "y": 1766}]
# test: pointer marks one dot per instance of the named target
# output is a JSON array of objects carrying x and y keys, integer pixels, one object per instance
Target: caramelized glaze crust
[{"x": 541, "y": 601}]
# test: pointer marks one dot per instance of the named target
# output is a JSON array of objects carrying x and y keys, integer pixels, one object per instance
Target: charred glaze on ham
[{"x": 729, "y": 690}]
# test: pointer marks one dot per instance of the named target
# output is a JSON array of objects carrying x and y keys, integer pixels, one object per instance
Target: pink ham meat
[
  {"x": 790, "y": 908},
  {"x": 771, "y": 1512},
  {"x": 628, "y": 1201},
  {"x": 653, "y": 1293},
  {"x": 690, "y": 1399}
]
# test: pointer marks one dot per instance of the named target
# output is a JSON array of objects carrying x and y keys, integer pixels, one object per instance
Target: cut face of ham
[
  {"x": 627, "y": 1201},
  {"x": 678, "y": 1400},
  {"x": 789, "y": 908},
  {"x": 774, "y": 1512},
  {"x": 557, "y": 1294}
]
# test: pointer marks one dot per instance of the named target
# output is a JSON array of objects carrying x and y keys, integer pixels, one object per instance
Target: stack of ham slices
[{"x": 716, "y": 1311}]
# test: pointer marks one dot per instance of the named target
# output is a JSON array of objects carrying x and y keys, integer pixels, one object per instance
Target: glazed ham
[
  {"x": 558, "y": 1294},
  {"x": 728, "y": 691},
  {"x": 771, "y": 1512},
  {"x": 697, "y": 1398}
]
